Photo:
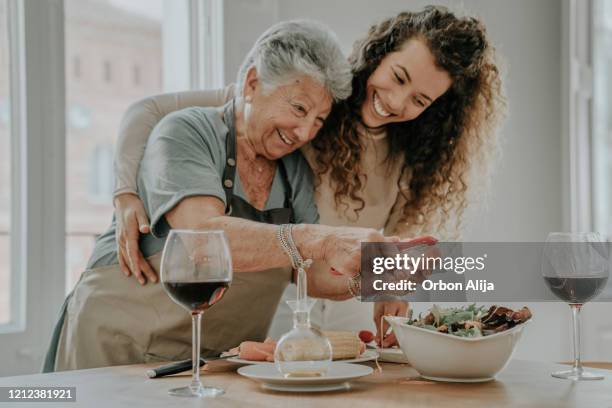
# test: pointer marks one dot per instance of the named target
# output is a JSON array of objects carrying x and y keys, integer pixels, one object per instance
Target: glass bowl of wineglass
[
  {"x": 196, "y": 271},
  {"x": 575, "y": 267}
]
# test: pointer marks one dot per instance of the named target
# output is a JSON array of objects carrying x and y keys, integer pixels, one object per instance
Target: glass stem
[
  {"x": 196, "y": 318},
  {"x": 576, "y": 327}
]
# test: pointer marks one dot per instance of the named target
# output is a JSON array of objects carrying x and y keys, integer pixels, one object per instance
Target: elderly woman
[{"x": 234, "y": 168}]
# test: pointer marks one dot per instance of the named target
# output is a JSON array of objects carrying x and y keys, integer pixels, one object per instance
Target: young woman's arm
[
  {"x": 136, "y": 126},
  {"x": 140, "y": 119},
  {"x": 395, "y": 225}
]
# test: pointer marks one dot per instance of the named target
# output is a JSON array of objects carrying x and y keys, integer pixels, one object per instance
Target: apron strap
[
  {"x": 288, "y": 189},
  {"x": 229, "y": 173}
]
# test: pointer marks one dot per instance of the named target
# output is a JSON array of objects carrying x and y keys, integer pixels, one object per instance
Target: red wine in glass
[
  {"x": 576, "y": 290},
  {"x": 196, "y": 296}
]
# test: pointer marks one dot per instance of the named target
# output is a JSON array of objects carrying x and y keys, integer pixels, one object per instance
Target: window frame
[
  {"x": 36, "y": 39},
  {"x": 207, "y": 44},
  {"x": 38, "y": 170},
  {"x": 577, "y": 114},
  {"x": 599, "y": 212},
  {"x": 195, "y": 57},
  {"x": 16, "y": 90}
]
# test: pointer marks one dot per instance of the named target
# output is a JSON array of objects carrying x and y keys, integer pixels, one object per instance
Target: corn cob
[{"x": 345, "y": 344}]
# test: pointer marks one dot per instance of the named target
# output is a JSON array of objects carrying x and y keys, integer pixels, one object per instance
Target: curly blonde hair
[{"x": 438, "y": 147}]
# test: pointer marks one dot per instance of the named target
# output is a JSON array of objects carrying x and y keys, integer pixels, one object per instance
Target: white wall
[{"x": 525, "y": 194}]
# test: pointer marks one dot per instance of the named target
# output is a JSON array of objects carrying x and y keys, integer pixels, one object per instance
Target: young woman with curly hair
[{"x": 397, "y": 155}]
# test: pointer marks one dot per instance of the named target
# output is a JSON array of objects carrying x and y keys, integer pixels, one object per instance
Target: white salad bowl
[{"x": 444, "y": 357}]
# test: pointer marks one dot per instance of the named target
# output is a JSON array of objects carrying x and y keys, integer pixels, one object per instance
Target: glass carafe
[{"x": 303, "y": 351}]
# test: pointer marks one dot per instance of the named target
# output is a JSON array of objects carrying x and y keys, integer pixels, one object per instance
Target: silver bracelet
[
  {"x": 354, "y": 286},
  {"x": 285, "y": 238}
]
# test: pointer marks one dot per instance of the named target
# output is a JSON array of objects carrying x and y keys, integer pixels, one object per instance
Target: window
[
  {"x": 49, "y": 150},
  {"x": 122, "y": 31},
  {"x": 5, "y": 171},
  {"x": 101, "y": 177},
  {"x": 107, "y": 71},
  {"x": 136, "y": 75},
  {"x": 602, "y": 116},
  {"x": 76, "y": 67},
  {"x": 79, "y": 117}
]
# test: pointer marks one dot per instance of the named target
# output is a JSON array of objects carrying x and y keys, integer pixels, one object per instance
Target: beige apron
[
  {"x": 110, "y": 319},
  {"x": 113, "y": 320}
]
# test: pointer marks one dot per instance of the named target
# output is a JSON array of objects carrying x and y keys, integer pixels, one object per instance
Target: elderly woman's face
[
  {"x": 404, "y": 84},
  {"x": 284, "y": 119}
]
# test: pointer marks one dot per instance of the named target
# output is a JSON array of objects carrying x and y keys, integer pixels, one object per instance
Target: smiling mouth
[
  {"x": 288, "y": 142},
  {"x": 378, "y": 108}
]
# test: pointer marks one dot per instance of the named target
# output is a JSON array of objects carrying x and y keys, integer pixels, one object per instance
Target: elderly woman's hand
[
  {"x": 342, "y": 248},
  {"x": 391, "y": 308},
  {"x": 132, "y": 220}
]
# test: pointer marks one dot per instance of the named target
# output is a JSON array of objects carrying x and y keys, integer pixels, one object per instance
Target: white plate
[
  {"x": 337, "y": 377},
  {"x": 307, "y": 388},
  {"x": 392, "y": 355},
  {"x": 367, "y": 355}
]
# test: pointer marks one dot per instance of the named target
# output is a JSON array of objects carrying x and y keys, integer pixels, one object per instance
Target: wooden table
[{"x": 521, "y": 384}]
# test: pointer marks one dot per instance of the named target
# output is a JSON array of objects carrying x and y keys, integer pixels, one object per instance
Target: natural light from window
[
  {"x": 5, "y": 171},
  {"x": 113, "y": 58},
  {"x": 602, "y": 123}
]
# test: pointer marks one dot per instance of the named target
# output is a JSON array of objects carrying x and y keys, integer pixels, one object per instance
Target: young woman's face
[{"x": 405, "y": 83}]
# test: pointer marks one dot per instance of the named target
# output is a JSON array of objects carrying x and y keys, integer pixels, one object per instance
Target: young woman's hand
[
  {"x": 381, "y": 309},
  {"x": 132, "y": 220}
]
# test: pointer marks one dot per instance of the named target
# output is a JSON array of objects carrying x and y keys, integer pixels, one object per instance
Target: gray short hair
[{"x": 299, "y": 47}]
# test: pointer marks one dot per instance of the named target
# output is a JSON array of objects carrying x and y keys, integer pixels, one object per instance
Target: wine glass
[
  {"x": 196, "y": 271},
  {"x": 575, "y": 267}
]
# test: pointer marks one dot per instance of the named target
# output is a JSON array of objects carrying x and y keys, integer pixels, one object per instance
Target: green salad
[{"x": 472, "y": 320}]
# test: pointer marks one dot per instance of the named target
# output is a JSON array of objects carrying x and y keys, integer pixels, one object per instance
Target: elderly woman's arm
[
  {"x": 180, "y": 182},
  {"x": 254, "y": 245},
  {"x": 136, "y": 126}
]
